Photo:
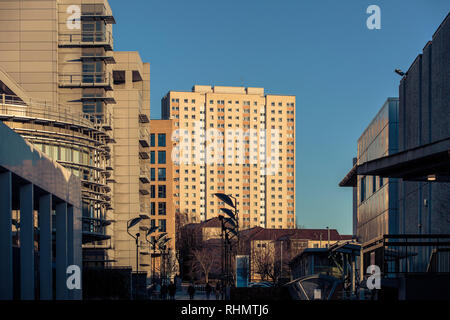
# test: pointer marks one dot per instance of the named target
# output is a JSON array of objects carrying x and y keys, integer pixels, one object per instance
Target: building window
[
  {"x": 374, "y": 184},
  {"x": 152, "y": 140},
  {"x": 152, "y": 157},
  {"x": 161, "y": 139},
  {"x": 161, "y": 174},
  {"x": 152, "y": 208},
  {"x": 152, "y": 174},
  {"x": 162, "y": 225},
  {"x": 363, "y": 189},
  {"x": 381, "y": 181},
  {"x": 152, "y": 191},
  {"x": 161, "y": 191},
  {"x": 161, "y": 157},
  {"x": 162, "y": 208}
]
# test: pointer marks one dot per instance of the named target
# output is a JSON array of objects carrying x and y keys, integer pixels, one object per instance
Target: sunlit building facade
[{"x": 238, "y": 141}]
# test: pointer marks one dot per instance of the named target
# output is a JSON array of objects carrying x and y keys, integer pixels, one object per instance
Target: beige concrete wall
[
  {"x": 28, "y": 45},
  {"x": 132, "y": 98}
]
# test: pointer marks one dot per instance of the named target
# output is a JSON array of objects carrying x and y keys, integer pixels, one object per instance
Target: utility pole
[{"x": 328, "y": 229}]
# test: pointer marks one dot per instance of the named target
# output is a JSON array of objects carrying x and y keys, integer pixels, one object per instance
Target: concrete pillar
[
  {"x": 26, "y": 242},
  {"x": 61, "y": 250},
  {"x": 45, "y": 245},
  {"x": 6, "y": 262}
]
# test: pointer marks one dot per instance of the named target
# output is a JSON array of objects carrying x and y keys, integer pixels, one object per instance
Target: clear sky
[{"x": 321, "y": 51}]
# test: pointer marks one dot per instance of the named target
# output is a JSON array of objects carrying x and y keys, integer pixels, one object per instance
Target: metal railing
[
  {"x": 101, "y": 38},
  {"x": 14, "y": 106},
  {"x": 85, "y": 78}
]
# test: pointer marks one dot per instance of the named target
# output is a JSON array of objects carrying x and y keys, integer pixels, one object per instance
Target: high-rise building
[
  {"x": 162, "y": 213},
  {"x": 238, "y": 141},
  {"x": 57, "y": 90}
]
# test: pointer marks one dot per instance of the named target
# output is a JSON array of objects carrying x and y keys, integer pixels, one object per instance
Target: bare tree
[
  {"x": 265, "y": 263},
  {"x": 204, "y": 261}
]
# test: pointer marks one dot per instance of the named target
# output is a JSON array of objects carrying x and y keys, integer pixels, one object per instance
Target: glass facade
[{"x": 377, "y": 207}]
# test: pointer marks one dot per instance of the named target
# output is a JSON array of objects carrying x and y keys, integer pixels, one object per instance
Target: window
[
  {"x": 152, "y": 174},
  {"x": 161, "y": 139},
  {"x": 374, "y": 184},
  {"x": 152, "y": 191},
  {"x": 152, "y": 140},
  {"x": 161, "y": 191},
  {"x": 363, "y": 189},
  {"x": 152, "y": 157},
  {"x": 161, "y": 157},
  {"x": 381, "y": 181},
  {"x": 162, "y": 225},
  {"x": 162, "y": 208},
  {"x": 152, "y": 208},
  {"x": 161, "y": 174}
]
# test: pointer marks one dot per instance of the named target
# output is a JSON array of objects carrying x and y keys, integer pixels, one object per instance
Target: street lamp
[
  {"x": 230, "y": 226},
  {"x": 149, "y": 232},
  {"x": 162, "y": 248},
  {"x": 131, "y": 223}
]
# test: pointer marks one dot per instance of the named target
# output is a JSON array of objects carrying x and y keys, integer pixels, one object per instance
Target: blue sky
[{"x": 318, "y": 50}]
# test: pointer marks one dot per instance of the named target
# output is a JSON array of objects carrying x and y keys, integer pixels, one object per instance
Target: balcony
[
  {"x": 86, "y": 40},
  {"x": 144, "y": 137},
  {"x": 85, "y": 80},
  {"x": 144, "y": 175},
  {"x": 95, "y": 12},
  {"x": 143, "y": 189}
]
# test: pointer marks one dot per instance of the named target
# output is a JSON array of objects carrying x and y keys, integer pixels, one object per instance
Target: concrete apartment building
[
  {"x": 60, "y": 86},
  {"x": 249, "y": 153}
]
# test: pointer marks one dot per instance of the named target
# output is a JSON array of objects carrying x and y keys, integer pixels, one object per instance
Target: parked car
[{"x": 260, "y": 284}]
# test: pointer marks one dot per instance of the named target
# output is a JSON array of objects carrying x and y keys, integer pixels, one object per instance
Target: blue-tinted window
[
  {"x": 161, "y": 157},
  {"x": 161, "y": 139},
  {"x": 161, "y": 174},
  {"x": 152, "y": 208},
  {"x": 162, "y": 225},
  {"x": 374, "y": 184},
  {"x": 152, "y": 140},
  {"x": 152, "y": 191},
  {"x": 152, "y": 157},
  {"x": 152, "y": 174},
  {"x": 363, "y": 189},
  {"x": 161, "y": 192},
  {"x": 381, "y": 181},
  {"x": 162, "y": 208}
]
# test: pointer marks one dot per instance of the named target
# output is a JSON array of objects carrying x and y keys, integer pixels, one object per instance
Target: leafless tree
[
  {"x": 204, "y": 261},
  {"x": 265, "y": 263}
]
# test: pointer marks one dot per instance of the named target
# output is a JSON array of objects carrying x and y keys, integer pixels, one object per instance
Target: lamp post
[
  {"x": 131, "y": 223},
  {"x": 149, "y": 232},
  {"x": 230, "y": 229}
]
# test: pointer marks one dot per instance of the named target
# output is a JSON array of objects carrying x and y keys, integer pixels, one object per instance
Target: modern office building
[
  {"x": 130, "y": 154},
  {"x": 404, "y": 226},
  {"x": 57, "y": 90},
  {"x": 238, "y": 141},
  {"x": 40, "y": 222},
  {"x": 377, "y": 211}
]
